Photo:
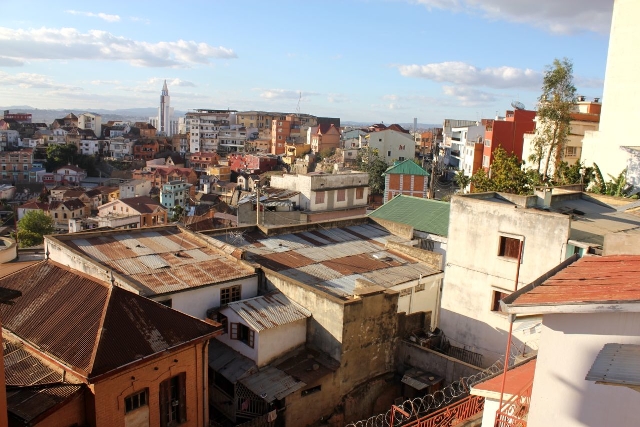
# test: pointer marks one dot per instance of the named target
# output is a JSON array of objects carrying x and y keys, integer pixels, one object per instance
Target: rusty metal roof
[
  {"x": 161, "y": 260},
  {"x": 88, "y": 325},
  {"x": 331, "y": 259},
  {"x": 269, "y": 311},
  {"x": 270, "y": 383},
  {"x": 590, "y": 280},
  {"x": 27, "y": 404}
]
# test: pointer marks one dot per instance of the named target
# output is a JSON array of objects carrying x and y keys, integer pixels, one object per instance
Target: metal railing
[
  {"x": 514, "y": 411},
  {"x": 452, "y": 415}
]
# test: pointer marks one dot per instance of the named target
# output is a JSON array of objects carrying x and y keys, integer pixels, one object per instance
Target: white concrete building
[
  {"x": 265, "y": 327},
  {"x": 170, "y": 265},
  {"x": 343, "y": 194},
  {"x": 203, "y": 127},
  {"x": 90, "y": 121},
  {"x": 391, "y": 145},
  {"x": 621, "y": 85},
  {"x": 135, "y": 188},
  {"x": 89, "y": 147},
  {"x": 588, "y": 357},
  {"x": 119, "y": 147}
]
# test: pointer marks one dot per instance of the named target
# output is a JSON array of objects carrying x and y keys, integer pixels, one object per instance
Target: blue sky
[{"x": 360, "y": 60}]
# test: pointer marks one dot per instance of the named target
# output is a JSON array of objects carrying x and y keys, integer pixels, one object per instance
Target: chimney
[{"x": 581, "y": 98}]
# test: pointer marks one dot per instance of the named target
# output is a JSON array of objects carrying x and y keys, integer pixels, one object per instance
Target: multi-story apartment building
[
  {"x": 203, "y": 126},
  {"x": 202, "y": 161},
  {"x": 257, "y": 119},
  {"x": 290, "y": 128},
  {"x": 252, "y": 163},
  {"x": 146, "y": 130},
  {"x": 90, "y": 121},
  {"x": 457, "y": 142},
  {"x": 119, "y": 147},
  {"x": 135, "y": 188},
  {"x": 180, "y": 143},
  {"x": 15, "y": 165},
  {"x": 62, "y": 211},
  {"x": 18, "y": 117},
  {"x": 9, "y": 138},
  {"x": 326, "y": 138},
  {"x": 507, "y": 133},
  {"x": 68, "y": 121},
  {"x": 175, "y": 193}
]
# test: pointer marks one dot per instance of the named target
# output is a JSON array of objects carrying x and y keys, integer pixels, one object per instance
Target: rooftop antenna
[{"x": 298, "y": 106}]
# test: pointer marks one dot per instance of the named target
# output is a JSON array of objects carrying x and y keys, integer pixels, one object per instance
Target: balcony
[
  {"x": 452, "y": 415},
  {"x": 514, "y": 411}
]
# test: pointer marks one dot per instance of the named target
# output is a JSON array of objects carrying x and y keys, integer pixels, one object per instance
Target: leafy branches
[
  {"x": 554, "y": 114},
  {"x": 370, "y": 161},
  {"x": 506, "y": 175},
  {"x": 32, "y": 227}
]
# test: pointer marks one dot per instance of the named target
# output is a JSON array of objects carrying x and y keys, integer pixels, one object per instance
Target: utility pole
[
  {"x": 257, "y": 204},
  {"x": 433, "y": 165}
]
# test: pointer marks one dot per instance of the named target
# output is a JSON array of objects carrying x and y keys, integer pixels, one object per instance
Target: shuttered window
[
  {"x": 173, "y": 402},
  {"x": 509, "y": 247},
  {"x": 243, "y": 333}
]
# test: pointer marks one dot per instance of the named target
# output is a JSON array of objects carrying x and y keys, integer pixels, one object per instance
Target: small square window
[
  {"x": 136, "y": 400},
  {"x": 509, "y": 247},
  {"x": 230, "y": 294},
  {"x": 496, "y": 297}
]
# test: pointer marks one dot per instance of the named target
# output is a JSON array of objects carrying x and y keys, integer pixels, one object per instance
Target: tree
[
  {"x": 506, "y": 175},
  {"x": 32, "y": 227},
  {"x": 369, "y": 161},
  {"x": 616, "y": 186},
  {"x": 462, "y": 180},
  {"x": 554, "y": 114},
  {"x": 178, "y": 211},
  {"x": 60, "y": 155}
]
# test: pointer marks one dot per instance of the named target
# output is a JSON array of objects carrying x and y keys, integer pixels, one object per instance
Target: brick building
[
  {"x": 405, "y": 178},
  {"x": 108, "y": 357}
]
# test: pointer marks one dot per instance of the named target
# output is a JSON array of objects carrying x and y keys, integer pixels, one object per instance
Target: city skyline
[{"x": 359, "y": 60}]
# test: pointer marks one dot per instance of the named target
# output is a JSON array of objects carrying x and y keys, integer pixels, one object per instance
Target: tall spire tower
[{"x": 164, "y": 112}]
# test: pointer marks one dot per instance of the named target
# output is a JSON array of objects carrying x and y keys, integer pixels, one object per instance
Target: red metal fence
[
  {"x": 515, "y": 410},
  {"x": 451, "y": 415}
]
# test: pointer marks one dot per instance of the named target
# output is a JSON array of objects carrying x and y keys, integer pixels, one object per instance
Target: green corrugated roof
[
  {"x": 407, "y": 167},
  {"x": 427, "y": 215}
]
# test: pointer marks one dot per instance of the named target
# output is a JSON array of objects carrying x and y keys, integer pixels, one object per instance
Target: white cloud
[
  {"x": 69, "y": 43},
  {"x": 158, "y": 81},
  {"x": 556, "y": 16},
  {"x": 283, "y": 94},
  {"x": 31, "y": 80},
  {"x": 105, "y": 16},
  {"x": 466, "y": 74},
  {"x": 10, "y": 62},
  {"x": 468, "y": 96}
]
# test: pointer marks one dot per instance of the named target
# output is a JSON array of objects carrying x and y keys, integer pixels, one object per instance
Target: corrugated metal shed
[
  {"x": 270, "y": 383},
  {"x": 269, "y": 311},
  {"x": 617, "y": 364},
  {"x": 420, "y": 380},
  {"x": 29, "y": 403}
]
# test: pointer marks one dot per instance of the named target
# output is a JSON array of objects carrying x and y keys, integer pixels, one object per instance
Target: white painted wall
[
  {"x": 416, "y": 301},
  {"x": 275, "y": 342},
  {"x": 620, "y": 105},
  {"x": 474, "y": 270},
  {"x": 569, "y": 344},
  {"x": 196, "y": 302},
  {"x": 489, "y": 414},
  {"x": 388, "y": 143}
]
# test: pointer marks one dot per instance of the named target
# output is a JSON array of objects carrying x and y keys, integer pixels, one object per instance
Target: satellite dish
[{"x": 517, "y": 105}]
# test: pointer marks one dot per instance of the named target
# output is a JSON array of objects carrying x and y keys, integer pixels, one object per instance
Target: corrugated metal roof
[
  {"x": 229, "y": 363},
  {"x": 270, "y": 383},
  {"x": 588, "y": 280},
  {"x": 89, "y": 325},
  {"x": 28, "y": 403},
  {"x": 617, "y": 364},
  {"x": 21, "y": 368},
  {"x": 161, "y": 261},
  {"x": 420, "y": 380},
  {"x": 269, "y": 311},
  {"x": 426, "y": 215},
  {"x": 406, "y": 167}
]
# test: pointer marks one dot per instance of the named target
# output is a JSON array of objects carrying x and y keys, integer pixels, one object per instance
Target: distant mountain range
[{"x": 143, "y": 114}]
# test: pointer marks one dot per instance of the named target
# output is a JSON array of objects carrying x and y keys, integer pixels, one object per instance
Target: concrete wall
[
  {"x": 325, "y": 327},
  {"x": 621, "y": 91},
  {"x": 8, "y": 249},
  {"x": 428, "y": 360},
  {"x": 274, "y": 342},
  {"x": 474, "y": 270},
  {"x": 569, "y": 344},
  {"x": 621, "y": 244}
]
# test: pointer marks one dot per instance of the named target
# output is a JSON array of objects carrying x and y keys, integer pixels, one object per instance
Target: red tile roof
[
  {"x": 142, "y": 204},
  {"x": 590, "y": 280},
  {"x": 517, "y": 379},
  {"x": 89, "y": 325}
]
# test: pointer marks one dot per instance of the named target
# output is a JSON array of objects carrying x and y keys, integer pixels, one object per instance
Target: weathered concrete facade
[{"x": 476, "y": 273}]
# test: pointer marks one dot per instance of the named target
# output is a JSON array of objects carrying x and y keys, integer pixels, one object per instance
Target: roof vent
[{"x": 382, "y": 256}]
